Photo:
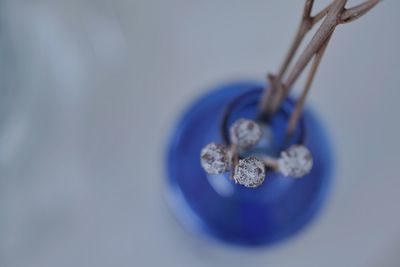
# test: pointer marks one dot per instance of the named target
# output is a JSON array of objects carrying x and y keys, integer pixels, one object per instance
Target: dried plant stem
[
  {"x": 294, "y": 117},
  {"x": 326, "y": 29},
  {"x": 307, "y": 22},
  {"x": 320, "y": 15},
  {"x": 334, "y": 15},
  {"x": 235, "y": 157},
  {"x": 355, "y": 12},
  {"x": 271, "y": 163}
]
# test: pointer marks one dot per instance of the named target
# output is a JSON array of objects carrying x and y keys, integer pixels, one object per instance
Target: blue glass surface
[{"x": 213, "y": 204}]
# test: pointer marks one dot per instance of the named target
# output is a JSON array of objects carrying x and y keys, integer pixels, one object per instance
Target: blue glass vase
[{"x": 214, "y": 205}]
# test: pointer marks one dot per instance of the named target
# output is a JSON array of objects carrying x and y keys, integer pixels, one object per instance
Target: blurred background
[{"x": 89, "y": 91}]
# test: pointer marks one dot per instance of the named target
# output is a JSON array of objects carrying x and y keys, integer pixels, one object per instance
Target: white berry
[
  {"x": 296, "y": 161},
  {"x": 249, "y": 172},
  {"x": 215, "y": 158},
  {"x": 245, "y": 133}
]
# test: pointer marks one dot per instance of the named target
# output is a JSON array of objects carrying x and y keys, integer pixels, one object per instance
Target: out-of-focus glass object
[{"x": 214, "y": 204}]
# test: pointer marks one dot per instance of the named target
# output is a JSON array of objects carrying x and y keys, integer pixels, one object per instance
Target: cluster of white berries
[{"x": 295, "y": 162}]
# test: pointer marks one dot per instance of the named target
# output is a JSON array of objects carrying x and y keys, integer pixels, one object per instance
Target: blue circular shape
[{"x": 216, "y": 206}]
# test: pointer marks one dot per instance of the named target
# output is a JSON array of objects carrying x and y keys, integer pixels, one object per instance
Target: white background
[{"x": 95, "y": 87}]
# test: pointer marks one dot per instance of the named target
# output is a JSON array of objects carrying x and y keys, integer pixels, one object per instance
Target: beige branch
[
  {"x": 300, "y": 102},
  {"x": 325, "y": 30},
  {"x": 357, "y": 11},
  {"x": 320, "y": 15},
  {"x": 333, "y": 14},
  {"x": 306, "y": 24}
]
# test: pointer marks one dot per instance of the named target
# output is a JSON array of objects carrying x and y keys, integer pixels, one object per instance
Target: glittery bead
[
  {"x": 296, "y": 161},
  {"x": 245, "y": 133},
  {"x": 249, "y": 172},
  {"x": 214, "y": 158}
]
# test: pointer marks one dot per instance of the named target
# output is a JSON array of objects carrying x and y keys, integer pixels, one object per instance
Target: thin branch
[
  {"x": 300, "y": 102},
  {"x": 271, "y": 163},
  {"x": 235, "y": 157},
  {"x": 274, "y": 81},
  {"x": 334, "y": 14},
  {"x": 307, "y": 9},
  {"x": 266, "y": 98},
  {"x": 325, "y": 30},
  {"x": 357, "y": 11},
  {"x": 320, "y": 15}
]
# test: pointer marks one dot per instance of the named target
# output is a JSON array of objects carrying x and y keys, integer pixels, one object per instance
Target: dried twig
[
  {"x": 294, "y": 117},
  {"x": 234, "y": 157},
  {"x": 334, "y": 15},
  {"x": 307, "y": 22},
  {"x": 357, "y": 11},
  {"x": 327, "y": 27}
]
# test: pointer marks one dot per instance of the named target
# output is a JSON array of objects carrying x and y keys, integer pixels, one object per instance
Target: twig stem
[
  {"x": 294, "y": 117},
  {"x": 334, "y": 14},
  {"x": 274, "y": 81}
]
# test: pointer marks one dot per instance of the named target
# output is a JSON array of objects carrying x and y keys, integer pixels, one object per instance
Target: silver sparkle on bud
[
  {"x": 245, "y": 133},
  {"x": 296, "y": 161},
  {"x": 249, "y": 172},
  {"x": 215, "y": 158}
]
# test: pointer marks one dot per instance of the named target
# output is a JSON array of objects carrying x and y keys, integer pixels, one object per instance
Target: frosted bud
[
  {"x": 245, "y": 133},
  {"x": 296, "y": 161},
  {"x": 249, "y": 172},
  {"x": 214, "y": 158}
]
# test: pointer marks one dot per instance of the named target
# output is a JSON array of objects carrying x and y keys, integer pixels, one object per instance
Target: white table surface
[{"x": 96, "y": 86}]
